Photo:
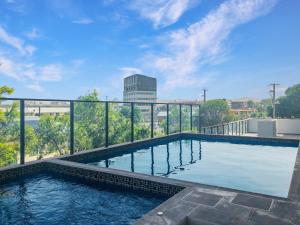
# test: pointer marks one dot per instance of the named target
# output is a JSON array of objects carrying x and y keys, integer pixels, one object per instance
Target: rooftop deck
[{"x": 192, "y": 203}]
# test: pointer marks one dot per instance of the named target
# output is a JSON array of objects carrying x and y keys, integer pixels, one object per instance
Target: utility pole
[
  {"x": 273, "y": 93},
  {"x": 204, "y": 94}
]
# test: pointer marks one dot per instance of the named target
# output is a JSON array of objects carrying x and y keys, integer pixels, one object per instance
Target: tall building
[{"x": 140, "y": 88}]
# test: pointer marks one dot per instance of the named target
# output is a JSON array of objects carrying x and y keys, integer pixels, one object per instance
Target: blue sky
[{"x": 234, "y": 48}]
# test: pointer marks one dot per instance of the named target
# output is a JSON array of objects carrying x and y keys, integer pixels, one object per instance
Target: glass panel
[
  {"x": 142, "y": 123},
  {"x": 119, "y": 123},
  {"x": 173, "y": 118},
  {"x": 185, "y": 117},
  {"x": 89, "y": 125},
  {"x": 47, "y": 129},
  {"x": 9, "y": 132},
  {"x": 160, "y": 120},
  {"x": 195, "y": 118}
]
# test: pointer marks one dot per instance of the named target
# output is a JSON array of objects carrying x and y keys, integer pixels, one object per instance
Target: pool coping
[{"x": 191, "y": 203}]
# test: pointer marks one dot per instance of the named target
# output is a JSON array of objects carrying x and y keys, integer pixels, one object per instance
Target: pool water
[
  {"x": 261, "y": 168},
  {"x": 45, "y": 199}
]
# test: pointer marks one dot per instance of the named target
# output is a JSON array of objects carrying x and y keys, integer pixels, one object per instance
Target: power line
[{"x": 273, "y": 93}]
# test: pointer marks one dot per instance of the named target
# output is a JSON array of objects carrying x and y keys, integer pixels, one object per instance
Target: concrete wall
[{"x": 284, "y": 126}]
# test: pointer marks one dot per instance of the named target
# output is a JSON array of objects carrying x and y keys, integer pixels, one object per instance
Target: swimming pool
[
  {"x": 49, "y": 199},
  {"x": 254, "y": 166}
]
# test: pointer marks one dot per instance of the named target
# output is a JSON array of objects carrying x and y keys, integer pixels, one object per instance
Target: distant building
[
  {"x": 140, "y": 88},
  {"x": 242, "y": 106}
]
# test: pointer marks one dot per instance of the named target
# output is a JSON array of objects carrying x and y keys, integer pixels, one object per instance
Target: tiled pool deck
[{"x": 191, "y": 203}]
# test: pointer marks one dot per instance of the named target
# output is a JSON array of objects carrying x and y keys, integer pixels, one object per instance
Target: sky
[{"x": 66, "y": 48}]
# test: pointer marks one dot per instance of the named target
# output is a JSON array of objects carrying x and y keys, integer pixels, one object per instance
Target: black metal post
[
  {"x": 132, "y": 122},
  {"x": 211, "y": 130},
  {"x": 106, "y": 124},
  {"x": 180, "y": 112},
  {"x": 243, "y": 126},
  {"x": 167, "y": 119},
  {"x": 22, "y": 131},
  {"x": 223, "y": 129},
  {"x": 152, "y": 122},
  {"x": 71, "y": 127},
  {"x": 231, "y": 128},
  {"x": 191, "y": 117}
]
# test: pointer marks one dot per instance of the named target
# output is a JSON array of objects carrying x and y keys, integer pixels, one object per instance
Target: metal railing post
[
  {"x": 132, "y": 122},
  {"x": 71, "y": 127},
  {"x": 239, "y": 128},
  {"x": 228, "y": 129},
  {"x": 180, "y": 112},
  {"x": 211, "y": 130},
  {"x": 231, "y": 128},
  {"x": 191, "y": 117},
  {"x": 223, "y": 127},
  {"x": 106, "y": 124},
  {"x": 236, "y": 132},
  {"x": 152, "y": 122},
  {"x": 22, "y": 131},
  {"x": 167, "y": 119},
  {"x": 243, "y": 127}
]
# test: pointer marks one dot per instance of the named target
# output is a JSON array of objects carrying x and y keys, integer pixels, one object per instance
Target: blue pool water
[
  {"x": 44, "y": 199},
  {"x": 255, "y": 167}
]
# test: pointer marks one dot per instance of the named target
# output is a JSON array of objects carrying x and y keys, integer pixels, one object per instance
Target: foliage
[
  {"x": 288, "y": 106},
  {"x": 214, "y": 112},
  {"x": 9, "y": 131},
  {"x": 53, "y": 133}
]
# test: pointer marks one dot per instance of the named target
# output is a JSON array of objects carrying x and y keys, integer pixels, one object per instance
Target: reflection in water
[
  {"x": 168, "y": 158},
  {"x": 200, "y": 151},
  {"x": 152, "y": 161},
  {"x": 164, "y": 160},
  {"x": 132, "y": 162},
  {"x": 180, "y": 152}
]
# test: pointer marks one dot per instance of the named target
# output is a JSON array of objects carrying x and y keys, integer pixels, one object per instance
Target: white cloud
[
  {"x": 51, "y": 72},
  {"x": 16, "y": 43},
  {"x": 35, "y": 87},
  {"x": 202, "y": 43},
  {"x": 8, "y": 68},
  {"x": 127, "y": 71},
  {"x": 33, "y": 34},
  {"x": 83, "y": 21},
  {"x": 161, "y": 12}
]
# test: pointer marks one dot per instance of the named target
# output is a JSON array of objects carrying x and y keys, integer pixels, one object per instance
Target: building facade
[{"x": 140, "y": 88}]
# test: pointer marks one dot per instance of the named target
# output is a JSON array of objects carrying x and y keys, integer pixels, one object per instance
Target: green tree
[
  {"x": 288, "y": 106},
  {"x": 8, "y": 130},
  {"x": 215, "y": 112},
  {"x": 53, "y": 133}
]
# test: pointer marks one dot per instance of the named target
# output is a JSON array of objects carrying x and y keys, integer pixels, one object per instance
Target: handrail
[
  {"x": 241, "y": 127},
  {"x": 99, "y": 101}
]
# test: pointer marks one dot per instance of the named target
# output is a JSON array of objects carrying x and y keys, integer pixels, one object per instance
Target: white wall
[{"x": 284, "y": 126}]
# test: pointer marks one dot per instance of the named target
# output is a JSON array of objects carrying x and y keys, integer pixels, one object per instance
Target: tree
[
  {"x": 215, "y": 112},
  {"x": 289, "y": 105},
  {"x": 53, "y": 133},
  {"x": 8, "y": 130}
]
